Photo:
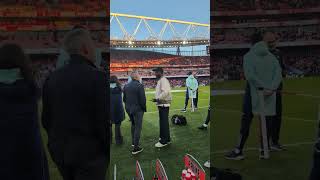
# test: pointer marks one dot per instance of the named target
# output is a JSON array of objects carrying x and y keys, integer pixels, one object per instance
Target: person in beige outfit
[{"x": 163, "y": 99}]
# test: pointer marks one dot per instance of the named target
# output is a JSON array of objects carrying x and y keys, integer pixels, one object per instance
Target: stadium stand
[
  {"x": 243, "y": 5},
  {"x": 175, "y": 67},
  {"x": 298, "y": 35}
]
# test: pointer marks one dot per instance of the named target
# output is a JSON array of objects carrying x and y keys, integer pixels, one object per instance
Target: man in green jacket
[
  {"x": 192, "y": 87},
  {"x": 262, "y": 71}
]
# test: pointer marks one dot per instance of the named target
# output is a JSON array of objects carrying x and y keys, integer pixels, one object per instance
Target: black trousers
[
  {"x": 315, "y": 171},
  {"x": 246, "y": 118},
  {"x": 94, "y": 170},
  {"x": 276, "y": 123},
  {"x": 208, "y": 117},
  {"x": 136, "y": 127},
  {"x": 164, "y": 124},
  {"x": 118, "y": 134},
  {"x": 195, "y": 100}
]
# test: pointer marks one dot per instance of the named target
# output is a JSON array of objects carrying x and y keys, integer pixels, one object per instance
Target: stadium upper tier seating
[
  {"x": 62, "y": 5},
  {"x": 243, "y": 5},
  {"x": 284, "y": 33},
  {"x": 45, "y": 39}
]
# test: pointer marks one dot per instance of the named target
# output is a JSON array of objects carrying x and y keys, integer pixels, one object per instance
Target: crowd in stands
[
  {"x": 231, "y": 67},
  {"x": 135, "y": 58},
  {"x": 167, "y": 72},
  {"x": 284, "y": 34},
  {"x": 244, "y": 5},
  {"x": 174, "y": 82},
  {"x": 45, "y": 64},
  {"x": 61, "y": 5},
  {"x": 175, "y": 67},
  {"x": 47, "y": 24},
  {"x": 45, "y": 39}
]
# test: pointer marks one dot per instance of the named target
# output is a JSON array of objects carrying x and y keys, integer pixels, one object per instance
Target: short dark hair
[
  {"x": 158, "y": 69},
  {"x": 13, "y": 56},
  {"x": 257, "y": 36}
]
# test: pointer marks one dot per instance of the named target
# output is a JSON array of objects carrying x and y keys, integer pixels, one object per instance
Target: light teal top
[
  {"x": 262, "y": 69},
  {"x": 192, "y": 85},
  {"x": 9, "y": 76}
]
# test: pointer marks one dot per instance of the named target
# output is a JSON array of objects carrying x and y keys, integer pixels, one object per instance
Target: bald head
[
  {"x": 79, "y": 41},
  {"x": 135, "y": 76}
]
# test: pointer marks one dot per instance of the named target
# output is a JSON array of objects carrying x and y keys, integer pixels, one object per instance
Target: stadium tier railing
[
  {"x": 272, "y": 23},
  {"x": 52, "y": 50},
  {"x": 264, "y": 12},
  {"x": 233, "y": 45},
  {"x": 178, "y": 76}
]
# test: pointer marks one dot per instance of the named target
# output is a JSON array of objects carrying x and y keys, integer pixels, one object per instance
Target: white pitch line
[
  {"x": 285, "y": 117},
  {"x": 175, "y": 110},
  {"x": 308, "y": 95},
  {"x": 239, "y": 92},
  {"x": 256, "y": 149}
]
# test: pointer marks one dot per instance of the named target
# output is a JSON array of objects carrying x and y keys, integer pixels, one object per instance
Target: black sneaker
[
  {"x": 277, "y": 147},
  {"x": 203, "y": 127},
  {"x": 235, "y": 154},
  {"x": 137, "y": 150}
]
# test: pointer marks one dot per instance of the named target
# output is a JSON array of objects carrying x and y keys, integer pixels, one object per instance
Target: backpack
[{"x": 179, "y": 120}]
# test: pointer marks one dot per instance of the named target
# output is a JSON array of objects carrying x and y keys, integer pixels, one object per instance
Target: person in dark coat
[
  {"x": 22, "y": 154},
  {"x": 117, "y": 114},
  {"x": 75, "y": 112},
  {"x": 134, "y": 98},
  {"x": 315, "y": 171}
]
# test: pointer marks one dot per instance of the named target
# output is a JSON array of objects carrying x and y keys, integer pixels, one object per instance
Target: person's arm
[
  {"x": 101, "y": 102},
  {"x": 124, "y": 94},
  {"x": 196, "y": 85},
  {"x": 142, "y": 98},
  {"x": 277, "y": 76}
]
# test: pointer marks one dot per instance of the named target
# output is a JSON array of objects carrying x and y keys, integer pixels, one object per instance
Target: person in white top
[{"x": 163, "y": 100}]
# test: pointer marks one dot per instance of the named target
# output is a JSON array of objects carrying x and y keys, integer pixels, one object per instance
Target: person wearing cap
[
  {"x": 163, "y": 100},
  {"x": 192, "y": 87}
]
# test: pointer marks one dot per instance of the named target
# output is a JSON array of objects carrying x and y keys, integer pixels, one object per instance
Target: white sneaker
[
  {"x": 160, "y": 145},
  {"x": 207, "y": 164}
]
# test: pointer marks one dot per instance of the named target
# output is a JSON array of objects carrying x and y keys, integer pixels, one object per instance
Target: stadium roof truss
[{"x": 157, "y": 40}]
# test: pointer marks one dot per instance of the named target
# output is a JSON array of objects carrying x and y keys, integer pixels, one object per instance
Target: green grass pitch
[
  {"x": 186, "y": 139},
  {"x": 299, "y": 130}
]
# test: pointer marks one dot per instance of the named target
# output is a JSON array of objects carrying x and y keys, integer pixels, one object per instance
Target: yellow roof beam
[{"x": 159, "y": 19}]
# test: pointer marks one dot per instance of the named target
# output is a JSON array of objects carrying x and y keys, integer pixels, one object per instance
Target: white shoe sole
[
  {"x": 161, "y": 146},
  {"x": 137, "y": 152},
  {"x": 239, "y": 158}
]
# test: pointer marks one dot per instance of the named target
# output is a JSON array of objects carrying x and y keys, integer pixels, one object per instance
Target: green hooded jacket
[
  {"x": 192, "y": 85},
  {"x": 262, "y": 70}
]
